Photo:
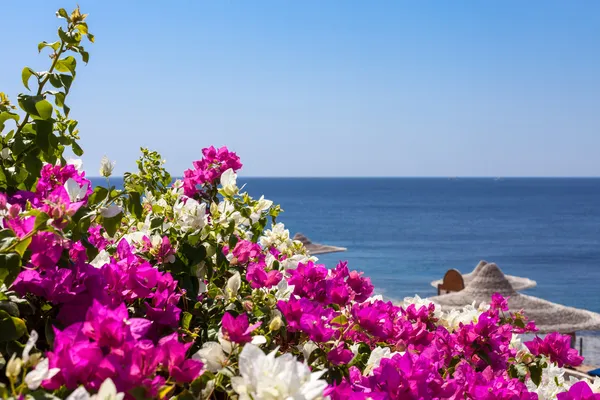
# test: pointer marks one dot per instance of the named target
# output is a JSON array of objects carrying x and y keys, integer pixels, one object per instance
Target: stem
[
  {"x": 12, "y": 246},
  {"x": 42, "y": 83}
]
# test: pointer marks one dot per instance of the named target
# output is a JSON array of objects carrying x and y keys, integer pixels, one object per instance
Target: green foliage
[
  {"x": 44, "y": 130},
  {"x": 152, "y": 176},
  {"x": 11, "y": 328}
]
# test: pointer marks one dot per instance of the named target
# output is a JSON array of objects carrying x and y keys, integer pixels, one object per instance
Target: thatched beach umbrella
[
  {"x": 316, "y": 248},
  {"x": 518, "y": 283},
  {"x": 548, "y": 317}
]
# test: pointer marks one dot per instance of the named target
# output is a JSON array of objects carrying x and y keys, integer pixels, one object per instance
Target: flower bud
[
  {"x": 13, "y": 367},
  {"x": 14, "y": 210},
  {"x": 276, "y": 323},
  {"x": 233, "y": 284},
  {"x": 248, "y": 305},
  {"x": 106, "y": 167},
  {"x": 5, "y": 153}
]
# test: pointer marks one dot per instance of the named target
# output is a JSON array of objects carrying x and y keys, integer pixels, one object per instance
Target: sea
[{"x": 406, "y": 232}]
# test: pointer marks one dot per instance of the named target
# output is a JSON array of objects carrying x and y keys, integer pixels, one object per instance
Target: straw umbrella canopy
[
  {"x": 518, "y": 283},
  {"x": 548, "y": 317},
  {"x": 316, "y": 248}
]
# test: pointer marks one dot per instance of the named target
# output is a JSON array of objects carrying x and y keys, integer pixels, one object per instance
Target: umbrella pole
[{"x": 573, "y": 340}]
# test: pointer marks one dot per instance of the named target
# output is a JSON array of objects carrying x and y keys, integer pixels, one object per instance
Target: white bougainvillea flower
[
  {"x": 552, "y": 383},
  {"x": 378, "y": 354},
  {"x": 453, "y": 318},
  {"x": 264, "y": 376},
  {"x": 228, "y": 183},
  {"x": 111, "y": 211},
  {"x": 33, "y": 337},
  {"x": 212, "y": 355},
  {"x": 233, "y": 284},
  {"x": 419, "y": 302},
  {"x": 101, "y": 259},
  {"x": 40, "y": 373},
  {"x": 106, "y": 167},
  {"x": 259, "y": 208},
  {"x": 79, "y": 394},
  {"x": 77, "y": 163},
  {"x": 108, "y": 391},
  {"x": 189, "y": 214},
  {"x": 76, "y": 192}
]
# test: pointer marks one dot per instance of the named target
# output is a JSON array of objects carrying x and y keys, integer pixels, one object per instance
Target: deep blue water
[{"x": 405, "y": 233}]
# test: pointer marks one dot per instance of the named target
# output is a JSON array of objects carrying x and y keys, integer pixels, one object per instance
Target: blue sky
[{"x": 332, "y": 88}]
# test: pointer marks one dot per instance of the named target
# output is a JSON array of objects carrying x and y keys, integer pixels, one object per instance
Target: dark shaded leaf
[
  {"x": 11, "y": 328},
  {"x": 135, "y": 204},
  {"x": 44, "y": 131},
  {"x": 536, "y": 374},
  {"x": 111, "y": 225}
]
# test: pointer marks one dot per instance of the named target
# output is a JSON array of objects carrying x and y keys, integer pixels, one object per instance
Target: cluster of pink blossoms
[
  {"x": 99, "y": 340},
  {"x": 427, "y": 360},
  {"x": 209, "y": 169},
  {"x": 250, "y": 255}
]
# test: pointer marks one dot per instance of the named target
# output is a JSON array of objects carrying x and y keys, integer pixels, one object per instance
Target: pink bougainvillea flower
[
  {"x": 557, "y": 347},
  {"x": 579, "y": 391},
  {"x": 237, "y": 329}
]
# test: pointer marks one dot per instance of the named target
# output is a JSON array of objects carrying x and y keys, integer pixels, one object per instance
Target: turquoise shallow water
[{"x": 405, "y": 233}]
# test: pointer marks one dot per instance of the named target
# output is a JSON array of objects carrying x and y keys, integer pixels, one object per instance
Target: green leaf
[
  {"x": 10, "y": 265},
  {"x": 59, "y": 97},
  {"x": 32, "y": 162},
  {"x": 98, "y": 195},
  {"x": 69, "y": 37},
  {"x": 82, "y": 28},
  {"x": 85, "y": 56},
  {"x": 77, "y": 149},
  {"x": 27, "y": 103},
  {"x": 55, "y": 46},
  {"x": 339, "y": 320},
  {"x": 536, "y": 374},
  {"x": 5, "y": 116},
  {"x": 186, "y": 318},
  {"x": 25, "y": 75},
  {"x": 22, "y": 246},
  {"x": 66, "y": 64},
  {"x": 10, "y": 307},
  {"x": 111, "y": 225},
  {"x": 62, "y": 13},
  {"x": 20, "y": 143},
  {"x": 11, "y": 328},
  {"x": 41, "y": 220},
  {"x": 135, "y": 204},
  {"x": 49, "y": 332},
  {"x": 61, "y": 81},
  {"x": 44, "y": 109},
  {"x": 44, "y": 131}
]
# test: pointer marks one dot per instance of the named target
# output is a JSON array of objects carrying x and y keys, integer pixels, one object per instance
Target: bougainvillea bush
[{"x": 192, "y": 290}]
